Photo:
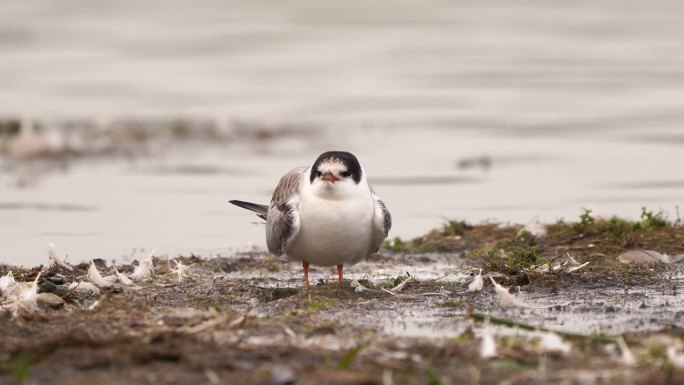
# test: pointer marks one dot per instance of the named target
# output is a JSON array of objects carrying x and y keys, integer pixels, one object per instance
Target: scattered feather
[
  {"x": 54, "y": 260},
  {"x": 506, "y": 299},
  {"x": 400, "y": 286},
  {"x": 122, "y": 278},
  {"x": 488, "y": 345},
  {"x": 358, "y": 287},
  {"x": 182, "y": 271},
  {"x": 535, "y": 228},
  {"x": 94, "y": 306},
  {"x": 477, "y": 283},
  {"x": 95, "y": 277},
  {"x": 289, "y": 332},
  {"x": 6, "y": 282},
  {"x": 388, "y": 291},
  {"x": 24, "y": 301},
  {"x": 675, "y": 357},
  {"x": 575, "y": 268},
  {"x": 212, "y": 376},
  {"x": 542, "y": 268},
  {"x": 627, "y": 357},
  {"x": 30, "y": 297},
  {"x": 144, "y": 269},
  {"x": 209, "y": 324},
  {"x": 572, "y": 260},
  {"x": 552, "y": 342}
]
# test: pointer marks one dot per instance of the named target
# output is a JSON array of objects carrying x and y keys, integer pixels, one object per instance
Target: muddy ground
[{"x": 246, "y": 318}]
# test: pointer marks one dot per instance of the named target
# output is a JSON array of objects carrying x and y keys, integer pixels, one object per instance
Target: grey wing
[
  {"x": 282, "y": 219},
  {"x": 382, "y": 223}
]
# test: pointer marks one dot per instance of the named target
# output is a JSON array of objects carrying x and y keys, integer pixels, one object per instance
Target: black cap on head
[{"x": 346, "y": 158}]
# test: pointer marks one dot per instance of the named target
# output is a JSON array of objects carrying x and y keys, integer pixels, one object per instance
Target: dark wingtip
[{"x": 255, "y": 207}]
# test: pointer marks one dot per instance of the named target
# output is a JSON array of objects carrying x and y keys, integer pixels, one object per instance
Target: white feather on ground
[
  {"x": 358, "y": 287},
  {"x": 552, "y": 342},
  {"x": 506, "y": 299},
  {"x": 574, "y": 268},
  {"x": 95, "y": 277},
  {"x": 6, "y": 281},
  {"x": 477, "y": 283},
  {"x": 572, "y": 260},
  {"x": 122, "y": 278},
  {"x": 400, "y": 286},
  {"x": 535, "y": 228},
  {"x": 676, "y": 358},
  {"x": 24, "y": 301},
  {"x": 488, "y": 345},
  {"x": 54, "y": 260},
  {"x": 627, "y": 357},
  {"x": 144, "y": 269},
  {"x": 182, "y": 271}
]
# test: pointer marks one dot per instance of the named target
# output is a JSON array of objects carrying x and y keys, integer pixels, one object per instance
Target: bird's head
[{"x": 336, "y": 171}]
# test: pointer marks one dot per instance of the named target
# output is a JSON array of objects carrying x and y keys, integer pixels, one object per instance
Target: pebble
[
  {"x": 87, "y": 288},
  {"x": 642, "y": 257},
  {"x": 50, "y": 287},
  {"x": 57, "y": 279},
  {"x": 50, "y": 301}
]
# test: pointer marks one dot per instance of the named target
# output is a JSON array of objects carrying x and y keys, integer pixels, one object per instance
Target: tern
[{"x": 325, "y": 215}]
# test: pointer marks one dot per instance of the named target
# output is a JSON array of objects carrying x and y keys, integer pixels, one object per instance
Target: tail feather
[{"x": 260, "y": 210}]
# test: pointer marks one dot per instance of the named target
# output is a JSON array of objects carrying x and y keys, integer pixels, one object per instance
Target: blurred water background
[{"x": 128, "y": 125}]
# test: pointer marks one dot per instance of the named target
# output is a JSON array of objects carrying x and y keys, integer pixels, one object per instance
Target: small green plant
[
  {"x": 349, "y": 356},
  {"x": 432, "y": 378},
  {"x": 395, "y": 281},
  {"x": 454, "y": 228},
  {"x": 395, "y": 244},
  {"x": 524, "y": 258},
  {"x": 651, "y": 221},
  {"x": 586, "y": 220},
  {"x": 316, "y": 305},
  {"x": 619, "y": 227},
  {"x": 20, "y": 367},
  {"x": 522, "y": 239}
]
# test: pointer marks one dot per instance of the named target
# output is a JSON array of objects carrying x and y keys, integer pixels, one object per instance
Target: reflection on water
[{"x": 177, "y": 202}]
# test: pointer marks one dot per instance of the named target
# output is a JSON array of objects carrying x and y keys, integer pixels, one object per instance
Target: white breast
[{"x": 334, "y": 231}]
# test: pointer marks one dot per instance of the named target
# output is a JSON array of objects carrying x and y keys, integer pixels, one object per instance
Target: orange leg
[
  {"x": 306, "y": 273},
  {"x": 340, "y": 273}
]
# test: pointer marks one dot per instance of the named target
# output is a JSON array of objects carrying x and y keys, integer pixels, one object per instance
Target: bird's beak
[{"x": 329, "y": 177}]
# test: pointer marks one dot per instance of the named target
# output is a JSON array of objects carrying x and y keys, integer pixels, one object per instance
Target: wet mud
[{"x": 247, "y": 318}]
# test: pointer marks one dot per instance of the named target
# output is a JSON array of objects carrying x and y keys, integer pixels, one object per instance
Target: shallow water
[
  {"x": 477, "y": 111},
  {"x": 442, "y": 310},
  {"x": 177, "y": 203}
]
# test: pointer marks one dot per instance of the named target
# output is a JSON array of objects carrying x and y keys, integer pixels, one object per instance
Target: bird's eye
[
  {"x": 318, "y": 173},
  {"x": 346, "y": 174}
]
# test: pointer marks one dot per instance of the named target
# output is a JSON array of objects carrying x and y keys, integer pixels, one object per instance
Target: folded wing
[
  {"x": 382, "y": 223},
  {"x": 282, "y": 219}
]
